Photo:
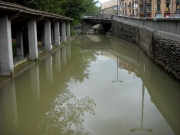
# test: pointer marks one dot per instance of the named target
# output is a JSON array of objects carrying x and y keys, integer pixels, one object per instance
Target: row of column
[{"x": 6, "y": 55}]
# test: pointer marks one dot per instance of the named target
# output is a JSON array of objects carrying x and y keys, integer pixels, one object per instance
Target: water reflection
[
  {"x": 49, "y": 69},
  {"x": 35, "y": 86},
  {"x": 72, "y": 93},
  {"x": 66, "y": 113},
  {"x": 69, "y": 50},
  {"x": 8, "y": 109},
  {"x": 57, "y": 57},
  {"x": 64, "y": 55}
]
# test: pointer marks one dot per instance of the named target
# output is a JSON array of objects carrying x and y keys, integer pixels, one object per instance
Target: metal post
[
  {"x": 117, "y": 7},
  {"x": 145, "y": 8},
  {"x": 178, "y": 8}
]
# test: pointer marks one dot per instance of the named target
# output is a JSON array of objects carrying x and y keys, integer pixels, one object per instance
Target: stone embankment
[{"x": 164, "y": 51}]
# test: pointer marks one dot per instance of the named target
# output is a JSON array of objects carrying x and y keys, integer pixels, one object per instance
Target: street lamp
[
  {"x": 117, "y": 7},
  {"x": 145, "y": 8},
  {"x": 133, "y": 129},
  {"x": 117, "y": 72}
]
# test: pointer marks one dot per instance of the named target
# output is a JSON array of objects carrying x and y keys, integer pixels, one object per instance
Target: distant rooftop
[{"x": 108, "y": 4}]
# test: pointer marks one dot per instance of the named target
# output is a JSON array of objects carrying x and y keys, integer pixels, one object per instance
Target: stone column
[
  {"x": 35, "y": 87},
  {"x": 32, "y": 39},
  {"x": 56, "y": 33},
  {"x": 69, "y": 50},
  {"x": 52, "y": 36},
  {"x": 63, "y": 31},
  {"x": 43, "y": 39},
  {"x": 68, "y": 31},
  {"x": 47, "y": 35},
  {"x": 6, "y": 56},
  {"x": 19, "y": 43},
  {"x": 64, "y": 55},
  {"x": 58, "y": 61}
]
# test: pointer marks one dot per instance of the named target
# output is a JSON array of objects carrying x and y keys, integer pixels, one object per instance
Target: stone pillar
[
  {"x": 64, "y": 55},
  {"x": 69, "y": 50},
  {"x": 10, "y": 106},
  {"x": 49, "y": 69},
  {"x": 6, "y": 56},
  {"x": 68, "y": 31},
  {"x": 47, "y": 35},
  {"x": 35, "y": 87},
  {"x": 43, "y": 39},
  {"x": 52, "y": 36},
  {"x": 63, "y": 31},
  {"x": 19, "y": 43},
  {"x": 58, "y": 61},
  {"x": 56, "y": 33},
  {"x": 32, "y": 39}
]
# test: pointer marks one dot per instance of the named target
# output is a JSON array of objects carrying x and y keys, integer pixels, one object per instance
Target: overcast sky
[{"x": 103, "y": 1}]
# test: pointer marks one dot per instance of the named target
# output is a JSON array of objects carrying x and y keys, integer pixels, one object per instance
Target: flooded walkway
[{"x": 95, "y": 85}]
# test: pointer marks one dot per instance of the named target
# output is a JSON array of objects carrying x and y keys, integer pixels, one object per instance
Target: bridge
[
  {"x": 19, "y": 22},
  {"x": 92, "y": 19}
]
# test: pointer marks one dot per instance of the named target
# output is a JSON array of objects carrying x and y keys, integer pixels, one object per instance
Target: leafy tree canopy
[{"x": 71, "y": 8}]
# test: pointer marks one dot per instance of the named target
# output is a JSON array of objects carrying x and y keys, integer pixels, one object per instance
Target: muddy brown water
[{"x": 95, "y": 85}]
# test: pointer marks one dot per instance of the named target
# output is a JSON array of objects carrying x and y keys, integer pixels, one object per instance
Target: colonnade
[{"x": 60, "y": 33}]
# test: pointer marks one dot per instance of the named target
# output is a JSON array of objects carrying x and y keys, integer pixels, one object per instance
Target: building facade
[
  {"x": 154, "y": 8},
  {"x": 109, "y": 7},
  {"x": 143, "y": 8}
]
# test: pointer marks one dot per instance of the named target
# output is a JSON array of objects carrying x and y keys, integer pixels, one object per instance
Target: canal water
[{"x": 95, "y": 85}]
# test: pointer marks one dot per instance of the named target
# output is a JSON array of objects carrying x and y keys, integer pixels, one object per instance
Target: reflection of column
[
  {"x": 35, "y": 87},
  {"x": 69, "y": 50},
  {"x": 58, "y": 61},
  {"x": 64, "y": 55},
  {"x": 10, "y": 106},
  {"x": 49, "y": 74},
  {"x": 19, "y": 43}
]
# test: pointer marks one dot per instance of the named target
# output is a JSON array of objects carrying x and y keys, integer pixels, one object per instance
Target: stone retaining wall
[{"x": 164, "y": 51}]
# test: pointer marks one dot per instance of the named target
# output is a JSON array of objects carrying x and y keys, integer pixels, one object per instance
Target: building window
[
  {"x": 149, "y": 8},
  {"x": 158, "y": 7},
  {"x": 141, "y": 9}
]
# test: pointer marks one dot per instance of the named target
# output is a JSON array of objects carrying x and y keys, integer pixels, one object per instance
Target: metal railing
[
  {"x": 157, "y": 24},
  {"x": 97, "y": 16}
]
